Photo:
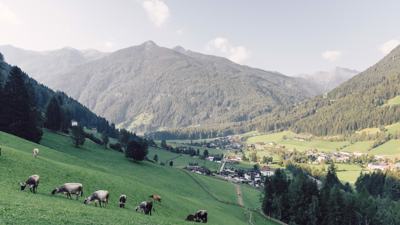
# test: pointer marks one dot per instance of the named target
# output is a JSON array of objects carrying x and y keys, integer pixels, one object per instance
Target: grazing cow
[
  {"x": 155, "y": 197},
  {"x": 191, "y": 217},
  {"x": 122, "y": 201},
  {"x": 69, "y": 189},
  {"x": 100, "y": 196},
  {"x": 201, "y": 215},
  {"x": 32, "y": 182},
  {"x": 35, "y": 152},
  {"x": 146, "y": 207}
]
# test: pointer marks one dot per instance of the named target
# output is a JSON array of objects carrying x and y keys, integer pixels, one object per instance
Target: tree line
[{"x": 296, "y": 198}]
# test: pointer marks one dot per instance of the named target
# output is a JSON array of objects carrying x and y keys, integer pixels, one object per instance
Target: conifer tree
[
  {"x": 54, "y": 115},
  {"x": 19, "y": 115}
]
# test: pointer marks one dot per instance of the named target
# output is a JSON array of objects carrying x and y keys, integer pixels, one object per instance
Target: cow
[
  {"x": 35, "y": 152},
  {"x": 155, "y": 197},
  {"x": 146, "y": 207},
  {"x": 32, "y": 182},
  {"x": 191, "y": 217},
  {"x": 100, "y": 196},
  {"x": 201, "y": 215},
  {"x": 122, "y": 201},
  {"x": 69, "y": 189}
]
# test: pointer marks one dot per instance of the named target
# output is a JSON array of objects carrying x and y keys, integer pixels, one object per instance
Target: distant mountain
[
  {"x": 328, "y": 80},
  {"x": 74, "y": 109},
  {"x": 43, "y": 64},
  {"x": 358, "y": 103},
  {"x": 148, "y": 87}
]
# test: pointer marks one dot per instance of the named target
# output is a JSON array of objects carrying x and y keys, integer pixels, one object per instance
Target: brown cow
[{"x": 155, "y": 197}]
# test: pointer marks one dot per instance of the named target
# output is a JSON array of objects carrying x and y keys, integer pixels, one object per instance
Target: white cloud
[
  {"x": 7, "y": 16},
  {"x": 222, "y": 46},
  {"x": 388, "y": 46},
  {"x": 331, "y": 55},
  {"x": 157, "y": 11}
]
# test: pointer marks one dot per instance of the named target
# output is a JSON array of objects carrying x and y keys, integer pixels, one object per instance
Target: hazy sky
[{"x": 291, "y": 37}]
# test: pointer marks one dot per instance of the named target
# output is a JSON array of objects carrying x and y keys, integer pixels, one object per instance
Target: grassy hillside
[{"x": 97, "y": 169}]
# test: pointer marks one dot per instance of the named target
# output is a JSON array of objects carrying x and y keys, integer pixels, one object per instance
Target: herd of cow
[{"x": 102, "y": 196}]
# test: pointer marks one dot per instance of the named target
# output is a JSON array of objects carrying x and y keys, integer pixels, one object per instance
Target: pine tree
[
  {"x": 54, "y": 117},
  {"x": 19, "y": 116}
]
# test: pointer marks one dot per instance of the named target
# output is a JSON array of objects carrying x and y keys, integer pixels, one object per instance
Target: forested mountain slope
[
  {"x": 358, "y": 103},
  {"x": 148, "y": 87},
  {"x": 43, "y": 94}
]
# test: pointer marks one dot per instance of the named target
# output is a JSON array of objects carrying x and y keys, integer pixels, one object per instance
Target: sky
[{"x": 291, "y": 37}]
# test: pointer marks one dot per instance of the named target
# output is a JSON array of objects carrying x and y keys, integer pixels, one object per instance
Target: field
[
  {"x": 393, "y": 101},
  {"x": 291, "y": 141},
  {"x": 180, "y": 160},
  {"x": 98, "y": 168}
]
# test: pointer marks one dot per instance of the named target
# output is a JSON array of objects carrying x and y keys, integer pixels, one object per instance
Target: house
[
  {"x": 266, "y": 171},
  {"x": 210, "y": 158},
  {"x": 378, "y": 166}
]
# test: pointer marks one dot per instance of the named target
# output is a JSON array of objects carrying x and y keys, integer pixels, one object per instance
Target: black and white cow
[
  {"x": 122, "y": 201},
  {"x": 100, "y": 196},
  {"x": 32, "y": 183},
  {"x": 70, "y": 189},
  {"x": 146, "y": 207},
  {"x": 201, "y": 215}
]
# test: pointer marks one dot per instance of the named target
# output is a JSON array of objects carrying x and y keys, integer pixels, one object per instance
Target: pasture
[{"x": 98, "y": 168}]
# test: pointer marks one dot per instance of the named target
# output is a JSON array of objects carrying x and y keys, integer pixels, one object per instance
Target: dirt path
[{"x": 239, "y": 195}]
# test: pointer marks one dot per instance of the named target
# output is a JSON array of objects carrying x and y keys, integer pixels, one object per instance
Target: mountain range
[
  {"x": 147, "y": 87},
  {"x": 325, "y": 81}
]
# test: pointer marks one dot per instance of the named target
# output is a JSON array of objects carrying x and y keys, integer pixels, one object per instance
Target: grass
[
  {"x": 182, "y": 160},
  {"x": 345, "y": 172},
  {"x": 393, "y": 128},
  {"x": 266, "y": 138},
  {"x": 97, "y": 168},
  {"x": 389, "y": 149},
  {"x": 361, "y": 146},
  {"x": 393, "y": 101},
  {"x": 289, "y": 140}
]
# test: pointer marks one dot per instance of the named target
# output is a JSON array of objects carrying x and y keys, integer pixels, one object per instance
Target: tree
[
  {"x": 105, "y": 139},
  {"x": 171, "y": 163},
  {"x": 124, "y": 138},
  {"x": 256, "y": 167},
  {"x": 155, "y": 158},
  {"x": 164, "y": 143},
  {"x": 253, "y": 157},
  {"x": 54, "y": 117},
  {"x": 78, "y": 136},
  {"x": 136, "y": 150},
  {"x": 19, "y": 115},
  {"x": 205, "y": 153}
]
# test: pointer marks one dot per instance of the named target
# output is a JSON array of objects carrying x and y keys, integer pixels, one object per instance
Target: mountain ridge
[{"x": 148, "y": 87}]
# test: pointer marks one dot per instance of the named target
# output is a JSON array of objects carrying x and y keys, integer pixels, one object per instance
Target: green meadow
[{"x": 98, "y": 168}]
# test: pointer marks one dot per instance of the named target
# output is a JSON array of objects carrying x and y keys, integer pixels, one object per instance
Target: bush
[
  {"x": 137, "y": 150},
  {"x": 93, "y": 138},
  {"x": 117, "y": 147}
]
